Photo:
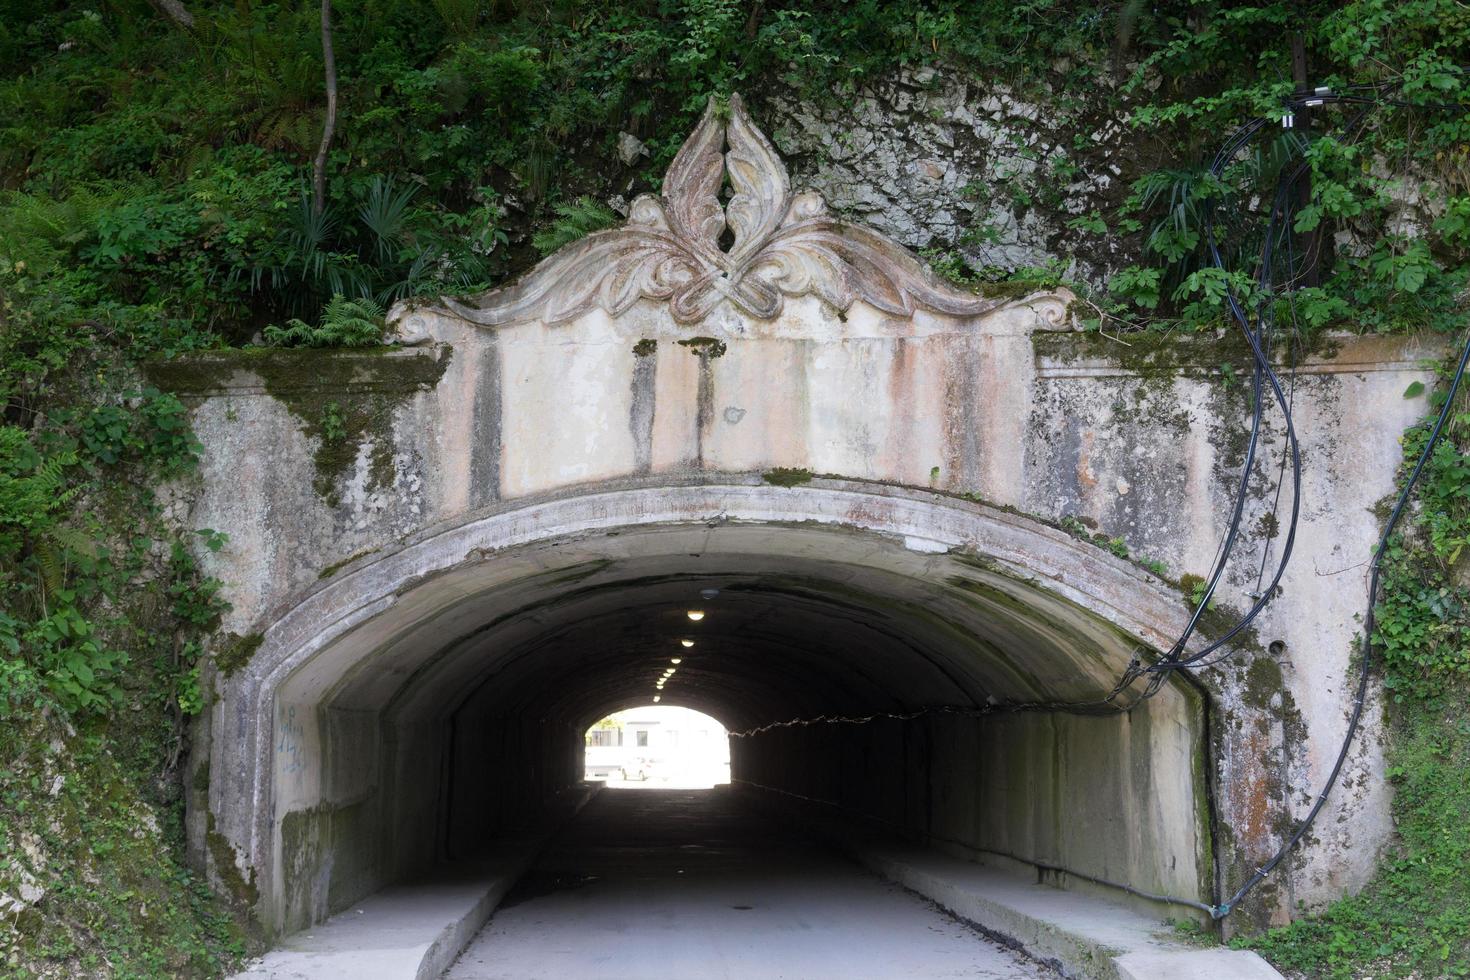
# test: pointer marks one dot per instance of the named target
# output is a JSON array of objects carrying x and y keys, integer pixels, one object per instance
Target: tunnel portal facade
[{"x": 913, "y": 515}]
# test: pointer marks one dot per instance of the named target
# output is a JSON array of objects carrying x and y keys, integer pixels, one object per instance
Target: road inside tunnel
[{"x": 688, "y": 883}]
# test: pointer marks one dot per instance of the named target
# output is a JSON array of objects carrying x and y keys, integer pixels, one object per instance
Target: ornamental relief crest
[{"x": 759, "y": 245}]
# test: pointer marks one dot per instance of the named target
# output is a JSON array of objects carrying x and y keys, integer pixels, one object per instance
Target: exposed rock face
[
  {"x": 630, "y": 148},
  {"x": 941, "y": 161}
]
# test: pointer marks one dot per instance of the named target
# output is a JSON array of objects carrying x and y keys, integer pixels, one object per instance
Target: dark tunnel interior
[{"x": 458, "y": 712}]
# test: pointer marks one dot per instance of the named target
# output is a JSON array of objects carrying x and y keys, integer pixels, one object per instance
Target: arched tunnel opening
[{"x": 869, "y": 667}]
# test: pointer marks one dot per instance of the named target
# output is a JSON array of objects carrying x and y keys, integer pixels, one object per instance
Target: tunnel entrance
[
  {"x": 864, "y": 644},
  {"x": 660, "y": 745}
]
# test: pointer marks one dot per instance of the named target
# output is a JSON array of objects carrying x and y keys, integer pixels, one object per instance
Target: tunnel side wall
[
  {"x": 427, "y": 793},
  {"x": 502, "y": 773},
  {"x": 1112, "y": 797}
]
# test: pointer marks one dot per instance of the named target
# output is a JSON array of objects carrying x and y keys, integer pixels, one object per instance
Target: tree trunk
[
  {"x": 176, "y": 12},
  {"x": 319, "y": 170}
]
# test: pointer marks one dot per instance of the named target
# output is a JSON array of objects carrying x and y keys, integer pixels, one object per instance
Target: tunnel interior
[{"x": 457, "y": 711}]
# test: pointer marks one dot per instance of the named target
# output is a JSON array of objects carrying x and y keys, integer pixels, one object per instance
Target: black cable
[
  {"x": 1175, "y": 661},
  {"x": 1225, "y": 907}
]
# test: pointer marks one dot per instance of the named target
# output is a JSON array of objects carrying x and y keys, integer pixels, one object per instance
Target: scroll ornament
[{"x": 781, "y": 244}]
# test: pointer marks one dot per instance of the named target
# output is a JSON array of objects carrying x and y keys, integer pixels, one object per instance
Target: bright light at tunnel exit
[{"x": 658, "y": 747}]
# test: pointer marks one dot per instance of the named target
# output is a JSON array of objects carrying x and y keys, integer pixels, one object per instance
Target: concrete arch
[{"x": 412, "y": 703}]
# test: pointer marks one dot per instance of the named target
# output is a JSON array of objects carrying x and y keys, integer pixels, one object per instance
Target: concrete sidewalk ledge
[
  {"x": 1080, "y": 934},
  {"x": 415, "y": 929}
]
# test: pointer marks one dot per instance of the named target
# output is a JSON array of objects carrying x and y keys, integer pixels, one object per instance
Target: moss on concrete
[
  {"x": 1263, "y": 681},
  {"x": 1013, "y": 288},
  {"x": 327, "y": 845},
  {"x": 785, "y": 476},
  {"x": 645, "y": 347},
  {"x": 1150, "y": 354},
  {"x": 704, "y": 346},
  {"x": 342, "y": 398},
  {"x": 238, "y": 886},
  {"x": 236, "y": 652},
  {"x": 337, "y": 566},
  {"x": 573, "y": 574}
]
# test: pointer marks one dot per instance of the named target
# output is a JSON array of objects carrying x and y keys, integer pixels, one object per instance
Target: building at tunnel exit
[{"x": 919, "y": 511}]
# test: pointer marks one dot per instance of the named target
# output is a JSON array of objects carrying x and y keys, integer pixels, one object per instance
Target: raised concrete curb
[
  {"x": 1082, "y": 935},
  {"x": 413, "y": 930},
  {"x": 1079, "y": 934}
]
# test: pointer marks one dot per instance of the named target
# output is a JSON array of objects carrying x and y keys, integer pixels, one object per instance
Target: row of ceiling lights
[{"x": 695, "y": 615}]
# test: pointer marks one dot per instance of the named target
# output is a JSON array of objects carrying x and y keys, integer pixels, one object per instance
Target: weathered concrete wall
[
  {"x": 1104, "y": 796},
  {"x": 442, "y": 555},
  {"x": 1146, "y": 456}
]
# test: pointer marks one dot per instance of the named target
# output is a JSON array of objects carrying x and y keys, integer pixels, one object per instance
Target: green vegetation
[
  {"x": 574, "y": 220},
  {"x": 105, "y": 610},
  {"x": 1078, "y": 528},
  {"x": 704, "y": 346},
  {"x": 155, "y": 199},
  {"x": 785, "y": 476},
  {"x": 1414, "y": 918},
  {"x": 345, "y": 323}
]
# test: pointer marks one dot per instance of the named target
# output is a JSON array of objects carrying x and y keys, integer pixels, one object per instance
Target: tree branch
[
  {"x": 319, "y": 170},
  {"x": 175, "y": 11}
]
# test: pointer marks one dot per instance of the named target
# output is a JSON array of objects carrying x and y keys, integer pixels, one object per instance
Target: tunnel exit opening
[
  {"x": 864, "y": 645},
  {"x": 658, "y": 746}
]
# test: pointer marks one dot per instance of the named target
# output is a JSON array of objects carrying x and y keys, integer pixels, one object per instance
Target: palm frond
[{"x": 385, "y": 214}]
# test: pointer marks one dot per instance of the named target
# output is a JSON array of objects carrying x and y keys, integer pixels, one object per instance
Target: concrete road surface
[{"x": 685, "y": 884}]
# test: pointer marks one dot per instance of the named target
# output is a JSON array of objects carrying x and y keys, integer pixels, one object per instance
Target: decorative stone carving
[{"x": 695, "y": 252}]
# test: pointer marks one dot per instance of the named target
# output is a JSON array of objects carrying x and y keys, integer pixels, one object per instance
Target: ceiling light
[
  {"x": 676, "y": 660},
  {"x": 695, "y": 615},
  {"x": 686, "y": 644},
  {"x": 708, "y": 593},
  {"x": 655, "y": 698}
]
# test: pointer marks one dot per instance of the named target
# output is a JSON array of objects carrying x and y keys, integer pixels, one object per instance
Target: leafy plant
[
  {"x": 344, "y": 323},
  {"x": 574, "y": 220}
]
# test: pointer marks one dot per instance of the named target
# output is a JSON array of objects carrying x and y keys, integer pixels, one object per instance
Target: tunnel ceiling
[{"x": 808, "y": 621}]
